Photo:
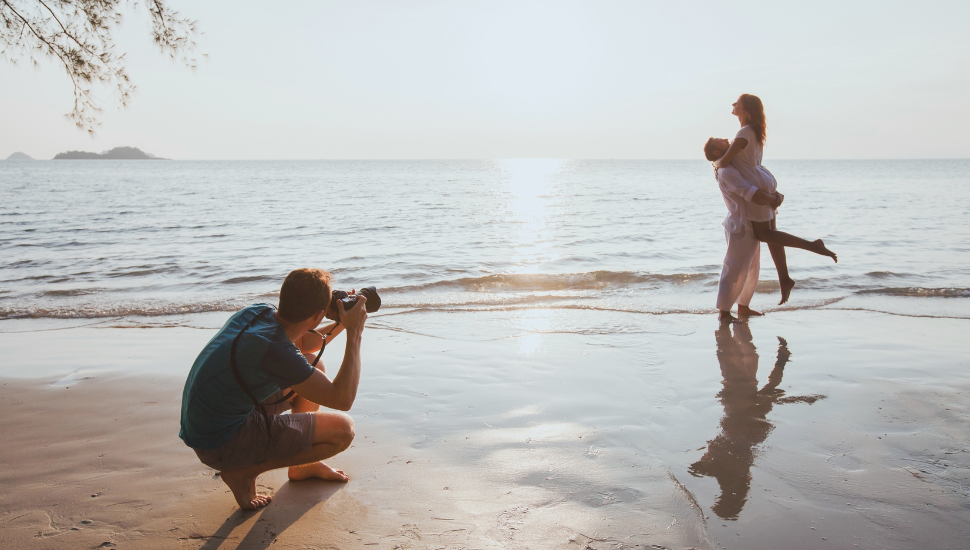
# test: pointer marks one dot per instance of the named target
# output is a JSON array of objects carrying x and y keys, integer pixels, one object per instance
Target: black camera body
[{"x": 350, "y": 300}]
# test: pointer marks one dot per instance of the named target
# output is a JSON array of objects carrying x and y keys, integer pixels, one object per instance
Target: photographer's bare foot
[
  {"x": 820, "y": 249},
  {"x": 786, "y": 287},
  {"x": 745, "y": 311},
  {"x": 316, "y": 469},
  {"x": 243, "y": 487}
]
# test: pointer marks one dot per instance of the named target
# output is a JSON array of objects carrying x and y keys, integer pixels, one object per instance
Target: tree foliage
[{"x": 78, "y": 35}]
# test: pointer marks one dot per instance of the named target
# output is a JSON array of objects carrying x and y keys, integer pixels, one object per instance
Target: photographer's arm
[
  {"x": 341, "y": 392},
  {"x": 310, "y": 341}
]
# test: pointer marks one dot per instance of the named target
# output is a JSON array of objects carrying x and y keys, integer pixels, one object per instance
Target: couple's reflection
[{"x": 744, "y": 426}]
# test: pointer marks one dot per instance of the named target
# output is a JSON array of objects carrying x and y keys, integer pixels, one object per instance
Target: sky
[{"x": 536, "y": 79}]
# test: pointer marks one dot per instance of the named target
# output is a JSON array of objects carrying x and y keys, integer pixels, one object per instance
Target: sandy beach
[{"x": 798, "y": 430}]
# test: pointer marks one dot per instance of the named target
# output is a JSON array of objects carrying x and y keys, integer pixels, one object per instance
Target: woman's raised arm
[{"x": 736, "y": 146}]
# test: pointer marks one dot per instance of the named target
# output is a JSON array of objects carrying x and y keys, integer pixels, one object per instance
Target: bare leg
[
  {"x": 334, "y": 433},
  {"x": 780, "y": 259},
  {"x": 767, "y": 234},
  {"x": 313, "y": 469}
]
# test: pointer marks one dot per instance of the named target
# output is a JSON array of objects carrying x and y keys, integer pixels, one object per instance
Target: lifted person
[
  {"x": 236, "y": 391},
  {"x": 744, "y": 154},
  {"x": 742, "y": 262}
]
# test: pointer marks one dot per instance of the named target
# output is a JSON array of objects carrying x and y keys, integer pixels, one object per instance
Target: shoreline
[{"x": 509, "y": 433}]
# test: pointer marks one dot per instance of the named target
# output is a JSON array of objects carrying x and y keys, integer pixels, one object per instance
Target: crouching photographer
[{"x": 265, "y": 361}]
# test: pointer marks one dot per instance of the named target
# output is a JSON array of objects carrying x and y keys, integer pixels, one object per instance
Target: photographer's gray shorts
[{"x": 252, "y": 445}]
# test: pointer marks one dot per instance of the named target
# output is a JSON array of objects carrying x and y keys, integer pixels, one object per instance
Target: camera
[{"x": 350, "y": 300}]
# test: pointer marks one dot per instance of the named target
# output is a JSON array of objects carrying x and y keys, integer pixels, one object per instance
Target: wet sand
[{"x": 803, "y": 429}]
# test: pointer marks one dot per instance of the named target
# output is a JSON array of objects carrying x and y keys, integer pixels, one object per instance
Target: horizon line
[{"x": 390, "y": 159}]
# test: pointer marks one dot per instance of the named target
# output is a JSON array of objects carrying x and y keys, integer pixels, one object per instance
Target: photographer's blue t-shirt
[{"x": 213, "y": 404}]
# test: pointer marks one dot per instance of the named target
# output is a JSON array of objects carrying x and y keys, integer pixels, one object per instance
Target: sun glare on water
[
  {"x": 530, "y": 189},
  {"x": 533, "y": 325}
]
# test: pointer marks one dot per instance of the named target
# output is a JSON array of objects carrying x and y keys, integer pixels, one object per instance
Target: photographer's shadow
[{"x": 290, "y": 503}]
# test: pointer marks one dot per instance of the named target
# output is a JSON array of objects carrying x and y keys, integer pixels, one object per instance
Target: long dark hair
[{"x": 756, "y": 115}]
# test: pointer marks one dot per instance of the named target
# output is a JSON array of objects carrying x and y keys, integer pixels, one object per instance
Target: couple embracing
[{"x": 751, "y": 195}]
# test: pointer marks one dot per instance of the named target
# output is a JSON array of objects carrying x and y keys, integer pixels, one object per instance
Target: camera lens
[
  {"x": 373, "y": 299},
  {"x": 350, "y": 300}
]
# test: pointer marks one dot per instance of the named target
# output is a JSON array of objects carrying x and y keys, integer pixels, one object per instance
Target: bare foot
[
  {"x": 820, "y": 249},
  {"x": 244, "y": 489},
  {"x": 786, "y": 287},
  {"x": 745, "y": 311},
  {"x": 726, "y": 317},
  {"x": 317, "y": 470}
]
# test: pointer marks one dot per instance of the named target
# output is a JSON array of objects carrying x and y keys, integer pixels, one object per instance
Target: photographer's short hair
[
  {"x": 304, "y": 293},
  {"x": 710, "y": 151}
]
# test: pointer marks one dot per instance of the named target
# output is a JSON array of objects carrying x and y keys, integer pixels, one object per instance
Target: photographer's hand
[
  {"x": 353, "y": 319},
  {"x": 348, "y": 378},
  {"x": 342, "y": 391}
]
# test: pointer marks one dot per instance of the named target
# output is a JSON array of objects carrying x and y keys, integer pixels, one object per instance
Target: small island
[
  {"x": 20, "y": 156},
  {"x": 118, "y": 153}
]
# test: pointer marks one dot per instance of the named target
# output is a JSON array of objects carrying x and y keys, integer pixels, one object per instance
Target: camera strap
[
  {"x": 323, "y": 345},
  {"x": 235, "y": 372}
]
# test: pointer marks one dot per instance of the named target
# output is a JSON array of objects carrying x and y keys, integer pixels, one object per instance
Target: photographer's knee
[
  {"x": 335, "y": 428},
  {"x": 348, "y": 432}
]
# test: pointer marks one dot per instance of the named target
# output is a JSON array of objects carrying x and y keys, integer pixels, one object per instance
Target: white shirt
[
  {"x": 748, "y": 163},
  {"x": 737, "y": 193}
]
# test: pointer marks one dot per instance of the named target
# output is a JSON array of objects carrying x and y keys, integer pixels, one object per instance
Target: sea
[
  {"x": 106, "y": 239},
  {"x": 548, "y": 345}
]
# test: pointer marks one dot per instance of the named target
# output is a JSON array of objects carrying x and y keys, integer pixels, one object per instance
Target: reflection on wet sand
[{"x": 744, "y": 426}]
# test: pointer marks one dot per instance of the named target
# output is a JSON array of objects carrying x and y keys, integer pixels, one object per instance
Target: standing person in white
[
  {"x": 742, "y": 262},
  {"x": 745, "y": 154}
]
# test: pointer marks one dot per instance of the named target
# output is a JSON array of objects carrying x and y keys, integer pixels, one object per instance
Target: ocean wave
[
  {"x": 391, "y": 309},
  {"x": 918, "y": 292},
  {"x": 72, "y": 292},
  {"x": 618, "y": 291},
  {"x": 135, "y": 310},
  {"x": 142, "y": 271},
  {"x": 565, "y": 303},
  {"x": 885, "y": 274},
  {"x": 457, "y": 303},
  {"x": 592, "y": 280},
  {"x": 250, "y": 279},
  {"x": 487, "y": 300},
  {"x": 613, "y": 280}
]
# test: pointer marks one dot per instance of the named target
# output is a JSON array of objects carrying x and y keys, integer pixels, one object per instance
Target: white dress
[
  {"x": 742, "y": 263},
  {"x": 748, "y": 163}
]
